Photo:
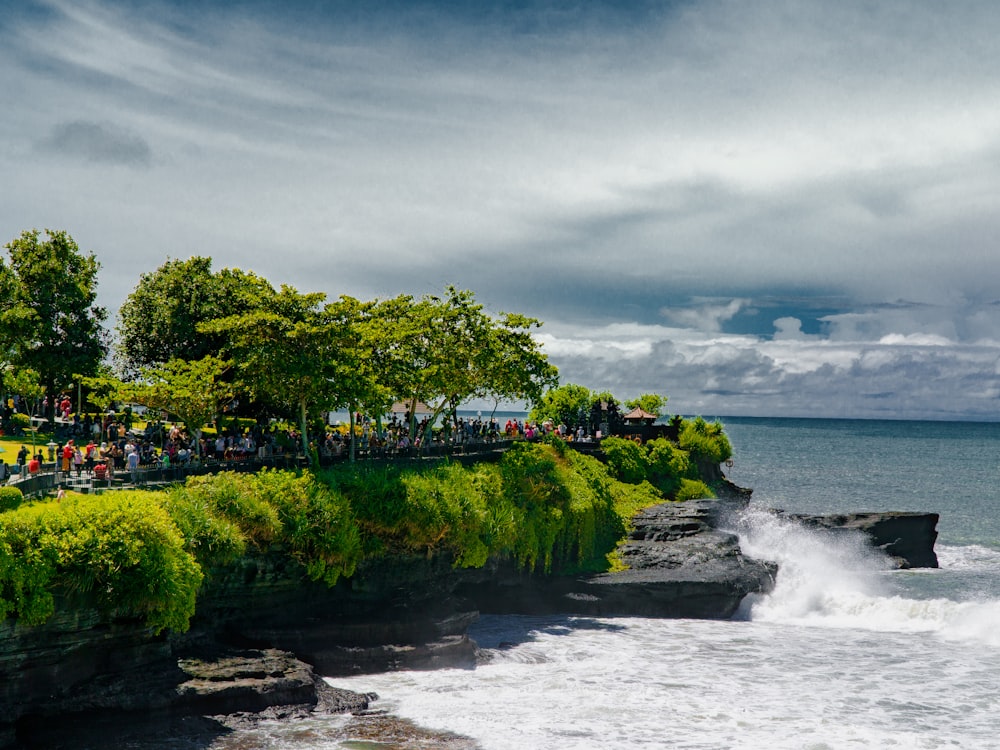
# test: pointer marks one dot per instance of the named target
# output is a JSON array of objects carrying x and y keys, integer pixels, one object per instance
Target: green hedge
[
  {"x": 660, "y": 463},
  {"x": 543, "y": 505},
  {"x": 121, "y": 552},
  {"x": 10, "y": 498}
]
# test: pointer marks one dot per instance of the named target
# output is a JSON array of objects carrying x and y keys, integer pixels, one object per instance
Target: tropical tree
[
  {"x": 25, "y": 383},
  {"x": 52, "y": 316},
  {"x": 103, "y": 389},
  {"x": 192, "y": 391},
  {"x": 8, "y": 332},
  {"x": 295, "y": 351},
  {"x": 442, "y": 351},
  {"x": 566, "y": 404},
  {"x": 514, "y": 366},
  {"x": 707, "y": 443},
  {"x": 159, "y": 319}
]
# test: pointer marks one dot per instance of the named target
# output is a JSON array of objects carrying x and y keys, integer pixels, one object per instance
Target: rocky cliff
[
  {"x": 262, "y": 632},
  {"x": 906, "y": 538},
  {"x": 679, "y": 565}
]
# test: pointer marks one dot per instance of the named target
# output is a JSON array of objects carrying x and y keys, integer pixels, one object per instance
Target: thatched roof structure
[{"x": 639, "y": 416}]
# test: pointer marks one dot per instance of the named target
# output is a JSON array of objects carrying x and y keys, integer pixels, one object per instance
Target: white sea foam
[
  {"x": 973, "y": 557},
  {"x": 834, "y": 580},
  {"x": 580, "y": 684}
]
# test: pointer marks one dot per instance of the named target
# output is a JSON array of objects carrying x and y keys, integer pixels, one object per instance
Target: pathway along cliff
[{"x": 262, "y": 635}]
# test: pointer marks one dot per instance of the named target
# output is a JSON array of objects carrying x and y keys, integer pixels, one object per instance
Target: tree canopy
[
  {"x": 442, "y": 351},
  {"x": 651, "y": 403},
  {"x": 294, "y": 350},
  {"x": 193, "y": 391},
  {"x": 159, "y": 320},
  {"x": 50, "y": 315},
  {"x": 291, "y": 353}
]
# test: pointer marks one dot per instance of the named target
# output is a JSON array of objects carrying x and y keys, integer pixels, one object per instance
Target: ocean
[{"x": 843, "y": 654}]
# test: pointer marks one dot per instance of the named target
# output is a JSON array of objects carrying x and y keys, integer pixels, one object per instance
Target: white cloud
[
  {"x": 788, "y": 328},
  {"x": 900, "y": 377},
  {"x": 703, "y": 317}
]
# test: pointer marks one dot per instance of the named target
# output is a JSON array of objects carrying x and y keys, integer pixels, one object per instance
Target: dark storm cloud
[{"x": 96, "y": 142}]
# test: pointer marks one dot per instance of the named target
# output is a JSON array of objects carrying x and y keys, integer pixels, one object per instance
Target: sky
[{"x": 777, "y": 208}]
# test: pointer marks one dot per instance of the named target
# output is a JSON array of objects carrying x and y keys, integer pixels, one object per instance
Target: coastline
[{"x": 689, "y": 565}]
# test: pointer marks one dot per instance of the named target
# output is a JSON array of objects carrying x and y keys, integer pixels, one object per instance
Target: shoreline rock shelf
[{"x": 262, "y": 635}]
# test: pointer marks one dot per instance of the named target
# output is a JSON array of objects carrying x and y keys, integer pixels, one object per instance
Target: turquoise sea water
[
  {"x": 828, "y": 466},
  {"x": 844, "y": 654}
]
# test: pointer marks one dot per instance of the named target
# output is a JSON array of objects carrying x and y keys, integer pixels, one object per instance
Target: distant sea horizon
[{"x": 508, "y": 413}]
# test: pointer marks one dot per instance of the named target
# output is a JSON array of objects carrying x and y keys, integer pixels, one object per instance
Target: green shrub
[
  {"x": 122, "y": 552},
  {"x": 317, "y": 523},
  {"x": 10, "y": 498},
  {"x": 705, "y": 441},
  {"x": 20, "y": 421},
  {"x": 230, "y": 495},
  {"x": 626, "y": 459},
  {"x": 667, "y": 465},
  {"x": 563, "y": 508},
  {"x": 213, "y": 540},
  {"x": 377, "y": 497},
  {"x": 27, "y": 568},
  {"x": 692, "y": 489},
  {"x": 445, "y": 508},
  {"x": 311, "y": 522}
]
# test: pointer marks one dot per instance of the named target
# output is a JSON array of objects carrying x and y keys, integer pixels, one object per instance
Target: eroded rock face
[
  {"x": 907, "y": 538},
  {"x": 680, "y": 565},
  {"x": 218, "y": 695}
]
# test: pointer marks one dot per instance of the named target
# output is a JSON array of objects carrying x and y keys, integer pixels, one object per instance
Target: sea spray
[
  {"x": 834, "y": 579},
  {"x": 822, "y": 576}
]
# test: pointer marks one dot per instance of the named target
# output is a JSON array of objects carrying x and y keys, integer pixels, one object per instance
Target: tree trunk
[
  {"x": 350, "y": 454},
  {"x": 303, "y": 427}
]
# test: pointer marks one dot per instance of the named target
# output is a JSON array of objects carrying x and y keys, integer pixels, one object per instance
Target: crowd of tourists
[{"x": 105, "y": 446}]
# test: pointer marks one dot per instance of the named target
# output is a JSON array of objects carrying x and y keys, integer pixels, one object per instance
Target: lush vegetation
[
  {"x": 544, "y": 506},
  {"x": 676, "y": 470},
  {"x": 279, "y": 355},
  {"x": 121, "y": 552},
  {"x": 191, "y": 342},
  {"x": 50, "y": 325}
]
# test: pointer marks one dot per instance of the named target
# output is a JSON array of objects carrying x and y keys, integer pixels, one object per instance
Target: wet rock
[
  {"x": 906, "y": 538},
  {"x": 680, "y": 565}
]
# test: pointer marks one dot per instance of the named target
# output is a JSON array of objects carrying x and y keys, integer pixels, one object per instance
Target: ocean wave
[
  {"x": 834, "y": 581},
  {"x": 971, "y": 557}
]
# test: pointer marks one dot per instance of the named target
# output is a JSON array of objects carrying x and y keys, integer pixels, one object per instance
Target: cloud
[
  {"x": 898, "y": 377},
  {"x": 96, "y": 142},
  {"x": 704, "y": 317},
  {"x": 788, "y": 328},
  {"x": 728, "y": 201}
]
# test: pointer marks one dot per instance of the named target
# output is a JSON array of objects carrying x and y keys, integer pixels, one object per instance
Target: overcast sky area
[{"x": 769, "y": 208}]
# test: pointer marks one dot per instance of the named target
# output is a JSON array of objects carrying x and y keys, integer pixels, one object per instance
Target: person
[
  {"x": 133, "y": 465},
  {"x": 22, "y": 456},
  {"x": 34, "y": 465},
  {"x": 67, "y": 456},
  {"x": 90, "y": 455},
  {"x": 78, "y": 460},
  {"x": 4, "y": 471}
]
